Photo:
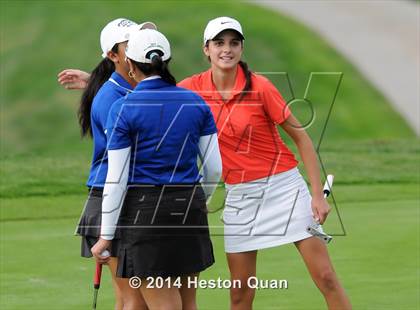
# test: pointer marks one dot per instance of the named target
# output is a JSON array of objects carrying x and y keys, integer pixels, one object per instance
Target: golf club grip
[
  {"x": 328, "y": 185},
  {"x": 97, "y": 277}
]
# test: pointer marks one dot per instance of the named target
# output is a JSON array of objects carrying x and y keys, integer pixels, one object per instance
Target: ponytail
[
  {"x": 248, "y": 83},
  {"x": 163, "y": 69},
  {"x": 158, "y": 66},
  {"x": 97, "y": 78}
]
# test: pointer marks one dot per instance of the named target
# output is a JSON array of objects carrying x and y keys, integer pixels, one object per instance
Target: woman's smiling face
[{"x": 225, "y": 50}]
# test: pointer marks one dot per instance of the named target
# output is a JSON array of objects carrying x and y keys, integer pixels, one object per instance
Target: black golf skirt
[
  {"x": 89, "y": 227},
  {"x": 164, "y": 232}
]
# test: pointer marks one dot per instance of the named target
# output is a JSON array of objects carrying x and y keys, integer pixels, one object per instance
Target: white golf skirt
[{"x": 267, "y": 212}]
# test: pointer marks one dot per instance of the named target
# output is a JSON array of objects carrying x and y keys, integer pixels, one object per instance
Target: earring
[{"x": 131, "y": 75}]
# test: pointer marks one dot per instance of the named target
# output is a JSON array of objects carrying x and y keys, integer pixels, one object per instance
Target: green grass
[
  {"x": 375, "y": 250},
  {"x": 43, "y": 267},
  {"x": 44, "y": 163}
]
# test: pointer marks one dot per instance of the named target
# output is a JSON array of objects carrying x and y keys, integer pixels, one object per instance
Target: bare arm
[{"x": 307, "y": 152}]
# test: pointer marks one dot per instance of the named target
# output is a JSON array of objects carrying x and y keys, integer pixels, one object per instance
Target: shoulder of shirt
[
  {"x": 107, "y": 93},
  {"x": 192, "y": 80},
  {"x": 118, "y": 102},
  {"x": 260, "y": 81},
  {"x": 117, "y": 108},
  {"x": 108, "y": 87},
  {"x": 185, "y": 90},
  {"x": 192, "y": 94}
]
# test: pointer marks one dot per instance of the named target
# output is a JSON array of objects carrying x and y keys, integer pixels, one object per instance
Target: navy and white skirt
[{"x": 164, "y": 232}]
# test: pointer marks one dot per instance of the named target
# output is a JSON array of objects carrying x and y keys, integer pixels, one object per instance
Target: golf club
[
  {"x": 316, "y": 229},
  {"x": 97, "y": 279}
]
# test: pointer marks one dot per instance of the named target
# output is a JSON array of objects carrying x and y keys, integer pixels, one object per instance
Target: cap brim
[{"x": 220, "y": 31}]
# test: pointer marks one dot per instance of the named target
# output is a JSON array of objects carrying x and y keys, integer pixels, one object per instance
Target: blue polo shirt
[
  {"x": 112, "y": 90},
  {"x": 163, "y": 124}
]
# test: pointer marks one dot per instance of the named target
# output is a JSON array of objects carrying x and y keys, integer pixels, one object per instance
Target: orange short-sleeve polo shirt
[{"x": 250, "y": 144}]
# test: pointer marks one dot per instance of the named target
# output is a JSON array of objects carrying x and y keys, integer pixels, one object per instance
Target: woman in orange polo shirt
[{"x": 268, "y": 202}]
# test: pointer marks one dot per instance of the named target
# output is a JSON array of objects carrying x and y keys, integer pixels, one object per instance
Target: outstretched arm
[{"x": 73, "y": 79}]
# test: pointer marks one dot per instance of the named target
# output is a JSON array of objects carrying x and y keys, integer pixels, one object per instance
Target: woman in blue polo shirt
[
  {"x": 108, "y": 82},
  {"x": 155, "y": 135}
]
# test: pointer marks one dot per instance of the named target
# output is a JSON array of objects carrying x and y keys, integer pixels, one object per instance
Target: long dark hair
[
  {"x": 158, "y": 66},
  {"x": 248, "y": 83},
  {"x": 245, "y": 68},
  {"x": 97, "y": 78}
]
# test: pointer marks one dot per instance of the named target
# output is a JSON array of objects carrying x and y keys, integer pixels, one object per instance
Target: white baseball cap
[
  {"x": 217, "y": 25},
  {"x": 143, "y": 43},
  {"x": 118, "y": 31}
]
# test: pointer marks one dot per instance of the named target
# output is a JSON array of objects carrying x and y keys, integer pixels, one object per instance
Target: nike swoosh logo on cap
[{"x": 224, "y": 22}]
